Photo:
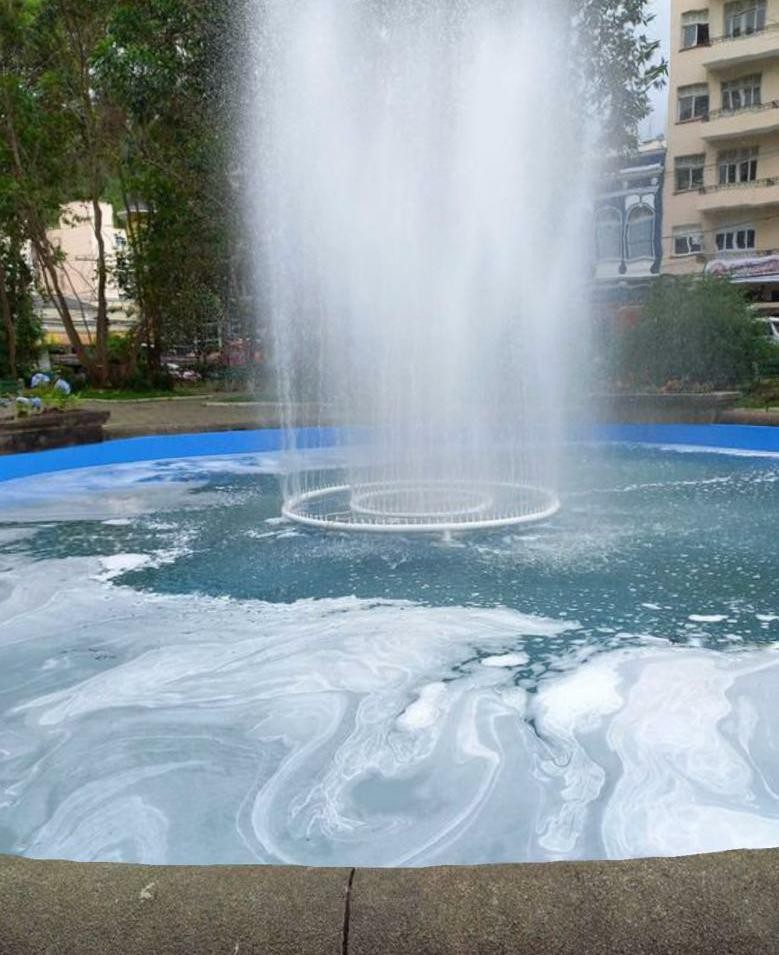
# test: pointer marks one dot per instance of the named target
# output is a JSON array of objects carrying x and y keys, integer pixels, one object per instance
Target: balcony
[
  {"x": 744, "y": 195},
  {"x": 723, "y": 124},
  {"x": 726, "y": 52}
]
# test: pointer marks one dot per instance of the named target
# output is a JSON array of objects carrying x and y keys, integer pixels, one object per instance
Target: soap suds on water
[{"x": 507, "y": 660}]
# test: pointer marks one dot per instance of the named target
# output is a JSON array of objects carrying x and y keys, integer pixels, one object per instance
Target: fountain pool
[{"x": 189, "y": 679}]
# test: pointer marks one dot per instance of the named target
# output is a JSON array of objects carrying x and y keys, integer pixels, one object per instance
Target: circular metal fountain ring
[
  {"x": 412, "y": 501},
  {"x": 427, "y": 507}
]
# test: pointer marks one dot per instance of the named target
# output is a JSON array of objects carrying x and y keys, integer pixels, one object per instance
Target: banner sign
[{"x": 766, "y": 266}]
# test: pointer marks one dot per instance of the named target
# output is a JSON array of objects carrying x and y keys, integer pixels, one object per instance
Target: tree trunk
[
  {"x": 101, "y": 342},
  {"x": 8, "y": 321},
  {"x": 155, "y": 355},
  {"x": 94, "y": 149},
  {"x": 40, "y": 242}
]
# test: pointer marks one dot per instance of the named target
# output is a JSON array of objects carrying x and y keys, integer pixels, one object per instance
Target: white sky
[{"x": 655, "y": 125}]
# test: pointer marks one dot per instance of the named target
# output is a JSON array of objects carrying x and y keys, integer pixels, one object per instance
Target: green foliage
[
  {"x": 127, "y": 394},
  {"x": 28, "y": 344},
  {"x": 162, "y": 65},
  {"x": 768, "y": 361},
  {"x": 618, "y": 65},
  {"x": 17, "y": 295},
  {"x": 51, "y": 398},
  {"x": 695, "y": 333},
  {"x": 764, "y": 394},
  {"x": 131, "y": 101}
]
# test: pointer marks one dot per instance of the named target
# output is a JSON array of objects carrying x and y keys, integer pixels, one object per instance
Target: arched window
[
  {"x": 608, "y": 234},
  {"x": 641, "y": 233}
]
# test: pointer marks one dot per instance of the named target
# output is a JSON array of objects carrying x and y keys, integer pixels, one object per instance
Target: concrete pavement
[
  {"x": 705, "y": 905},
  {"x": 130, "y": 419}
]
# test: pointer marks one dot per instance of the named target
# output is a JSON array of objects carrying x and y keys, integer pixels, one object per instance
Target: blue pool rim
[{"x": 715, "y": 437}]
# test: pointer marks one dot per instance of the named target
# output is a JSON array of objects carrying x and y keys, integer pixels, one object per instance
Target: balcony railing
[
  {"x": 722, "y": 186},
  {"x": 719, "y": 113},
  {"x": 768, "y": 28}
]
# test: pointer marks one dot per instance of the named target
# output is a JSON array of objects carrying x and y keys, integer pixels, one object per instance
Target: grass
[
  {"x": 234, "y": 397},
  {"x": 202, "y": 389},
  {"x": 116, "y": 394}
]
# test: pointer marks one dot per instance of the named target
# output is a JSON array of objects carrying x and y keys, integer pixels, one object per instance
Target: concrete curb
[
  {"x": 705, "y": 905},
  {"x": 64, "y": 908},
  {"x": 768, "y": 417}
]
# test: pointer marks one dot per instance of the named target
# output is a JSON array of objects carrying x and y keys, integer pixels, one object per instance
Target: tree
[
  {"x": 66, "y": 37},
  {"x": 617, "y": 66},
  {"x": 131, "y": 100},
  {"x": 58, "y": 140},
  {"x": 162, "y": 63},
  {"x": 694, "y": 332},
  {"x": 19, "y": 328}
]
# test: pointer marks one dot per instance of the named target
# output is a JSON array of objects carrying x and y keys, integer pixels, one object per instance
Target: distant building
[
  {"x": 722, "y": 205},
  {"x": 75, "y": 237},
  {"x": 628, "y": 225}
]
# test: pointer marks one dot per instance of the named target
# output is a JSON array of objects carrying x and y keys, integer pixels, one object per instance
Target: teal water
[
  {"x": 646, "y": 539},
  {"x": 185, "y": 678}
]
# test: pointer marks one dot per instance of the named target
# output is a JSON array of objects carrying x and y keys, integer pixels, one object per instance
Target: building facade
[
  {"x": 628, "y": 222},
  {"x": 76, "y": 240},
  {"x": 722, "y": 190}
]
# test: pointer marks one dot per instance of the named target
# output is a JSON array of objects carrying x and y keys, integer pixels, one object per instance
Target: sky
[{"x": 655, "y": 125}]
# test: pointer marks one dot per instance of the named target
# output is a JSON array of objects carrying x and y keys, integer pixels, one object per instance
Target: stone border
[
  {"x": 660, "y": 408},
  {"x": 767, "y": 418},
  {"x": 704, "y": 905},
  {"x": 51, "y": 429}
]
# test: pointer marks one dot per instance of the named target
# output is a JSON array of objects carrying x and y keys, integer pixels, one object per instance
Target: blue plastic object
[{"x": 167, "y": 447}]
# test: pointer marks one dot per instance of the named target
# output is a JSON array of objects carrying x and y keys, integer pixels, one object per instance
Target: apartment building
[
  {"x": 76, "y": 240},
  {"x": 722, "y": 198}
]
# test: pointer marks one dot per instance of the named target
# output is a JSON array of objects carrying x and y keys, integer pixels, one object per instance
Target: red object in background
[
  {"x": 628, "y": 316},
  {"x": 237, "y": 354}
]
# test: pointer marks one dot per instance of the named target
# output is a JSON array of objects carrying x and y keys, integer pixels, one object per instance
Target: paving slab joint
[{"x": 347, "y": 912}]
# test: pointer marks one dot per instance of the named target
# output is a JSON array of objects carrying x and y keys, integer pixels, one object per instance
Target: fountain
[
  {"x": 191, "y": 679},
  {"x": 420, "y": 206}
]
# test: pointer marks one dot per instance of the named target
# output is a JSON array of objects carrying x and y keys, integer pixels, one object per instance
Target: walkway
[{"x": 131, "y": 419}]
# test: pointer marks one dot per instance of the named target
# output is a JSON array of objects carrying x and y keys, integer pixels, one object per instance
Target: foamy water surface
[{"x": 187, "y": 680}]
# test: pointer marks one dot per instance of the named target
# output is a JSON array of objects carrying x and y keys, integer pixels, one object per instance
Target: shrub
[
  {"x": 695, "y": 333},
  {"x": 28, "y": 343}
]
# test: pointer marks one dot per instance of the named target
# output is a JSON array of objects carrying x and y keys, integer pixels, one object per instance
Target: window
[
  {"x": 737, "y": 165},
  {"x": 688, "y": 240},
  {"x": 736, "y": 239},
  {"x": 608, "y": 234},
  {"x": 689, "y": 172},
  {"x": 641, "y": 233},
  {"x": 695, "y": 29},
  {"x": 693, "y": 102},
  {"x": 742, "y": 93},
  {"x": 744, "y": 17}
]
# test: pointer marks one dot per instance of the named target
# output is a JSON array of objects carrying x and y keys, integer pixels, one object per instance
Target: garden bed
[{"x": 52, "y": 429}]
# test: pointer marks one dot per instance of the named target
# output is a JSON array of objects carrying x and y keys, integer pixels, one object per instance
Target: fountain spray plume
[{"x": 421, "y": 201}]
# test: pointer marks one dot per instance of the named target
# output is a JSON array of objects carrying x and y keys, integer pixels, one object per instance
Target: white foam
[
  {"x": 506, "y": 660},
  {"x": 425, "y": 711},
  {"x": 187, "y": 729},
  {"x": 118, "y": 564}
]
